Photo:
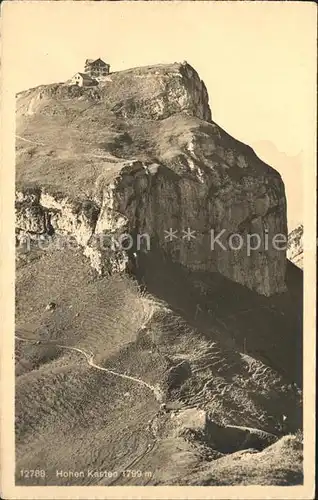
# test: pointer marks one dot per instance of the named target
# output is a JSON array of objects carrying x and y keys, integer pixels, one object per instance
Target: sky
[{"x": 253, "y": 57}]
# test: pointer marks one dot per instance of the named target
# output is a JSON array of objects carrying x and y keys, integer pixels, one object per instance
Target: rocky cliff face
[{"x": 137, "y": 164}]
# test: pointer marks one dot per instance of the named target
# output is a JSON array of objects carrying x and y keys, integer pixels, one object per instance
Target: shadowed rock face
[
  {"x": 233, "y": 437},
  {"x": 144, "y": 147},
  {"x": 225, "y": 439}
]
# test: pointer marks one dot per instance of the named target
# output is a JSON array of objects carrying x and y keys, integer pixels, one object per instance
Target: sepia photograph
[{"x": 162, "y": 159}]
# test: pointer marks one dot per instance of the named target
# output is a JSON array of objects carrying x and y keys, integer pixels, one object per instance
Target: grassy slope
[
  {"x": 79, "y": 413},
  {"x": 71, "y": 416}
]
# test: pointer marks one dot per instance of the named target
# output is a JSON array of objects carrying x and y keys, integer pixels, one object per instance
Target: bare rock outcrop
[{"x": 295, "y": 250}]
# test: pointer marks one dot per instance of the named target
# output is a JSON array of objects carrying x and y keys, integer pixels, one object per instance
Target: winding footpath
[
  {"x": 109, "y": 159},
  {"x": 90, "y": 361}
]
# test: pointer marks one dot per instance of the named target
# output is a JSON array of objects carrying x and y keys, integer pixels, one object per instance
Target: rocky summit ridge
[{"x": 140, "y": 153}]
